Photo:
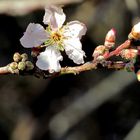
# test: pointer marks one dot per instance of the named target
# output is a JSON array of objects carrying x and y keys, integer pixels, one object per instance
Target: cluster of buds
[
  {"x": 21, "y": 63},
  {"x": 130, "y": 53},
  {"x": 103, "y": 50}
]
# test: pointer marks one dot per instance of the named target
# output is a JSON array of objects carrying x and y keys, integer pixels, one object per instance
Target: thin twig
[
  {"x": 76, "y": 69},
  {"x": 5, "y": 70},
  {"x": 117, "y": 51},
  {"x": 68, "y": 70}
]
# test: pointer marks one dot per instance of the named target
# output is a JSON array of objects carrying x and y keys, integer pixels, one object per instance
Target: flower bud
[
  {"x": 13, "y": 65},
  {"x": 24, "y": 57},
  {"x": 135, "y": 32},
  {"x": 29, "y": 65},
  {"x": 21, "y": 66},
  {"x": 100, "y": 59},
  {"x": 138, "y": 75},
  {"x": 17, "y": 57},
  {"x": 99, "y": 50},
  {"x": 129, "y": 53},
  {"x": 110, "y": 38}
]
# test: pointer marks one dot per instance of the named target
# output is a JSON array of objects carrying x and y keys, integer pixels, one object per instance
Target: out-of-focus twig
[
  {"x": 23, "y": 6},
  {"x": 25, "y": 128},
  {"x": 134, "y": 134},
  {"x": 111, "y": 86}
]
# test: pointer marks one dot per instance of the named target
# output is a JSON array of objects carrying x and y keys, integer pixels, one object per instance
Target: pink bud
[
  {"x": 110, "y": 38},
  {"x": 100, "y": 51},
  {"x": 135, "y": 32},
  {"x": 129, "y": 53}
]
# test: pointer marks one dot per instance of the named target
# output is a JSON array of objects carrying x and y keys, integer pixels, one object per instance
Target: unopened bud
[
  {"x": 99, "y": 50},
  {"x": 21, "y": 66},
  {"x": 24, "y": 57},
  {"x": 129, "y": 53},
  {"x": 110, "y": 38},
  {"x": 135, "y": 32},
  {"x": 29, "y": 65},
  {"x": 13, "y": 65},
  {"x": 138, "y": 75},
  {"x": 100, "y": 59},
  {"x": 17, "y": 57}
]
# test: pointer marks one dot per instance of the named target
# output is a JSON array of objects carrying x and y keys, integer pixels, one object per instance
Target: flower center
[{"x": 56, "y": 37}]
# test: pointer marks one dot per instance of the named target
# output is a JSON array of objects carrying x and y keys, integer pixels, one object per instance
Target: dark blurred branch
[{"x": 24, "y": 7}]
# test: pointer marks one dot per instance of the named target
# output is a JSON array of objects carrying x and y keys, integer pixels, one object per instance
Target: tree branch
[
  {"x": 5, "y": 70},
  {"x": 72, "y": 70}
]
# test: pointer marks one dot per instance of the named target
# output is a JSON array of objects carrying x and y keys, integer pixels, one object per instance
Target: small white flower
[{"x": 57, "y": 37}]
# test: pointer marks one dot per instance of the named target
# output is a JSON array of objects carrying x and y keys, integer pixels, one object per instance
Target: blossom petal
[
  {"x": 49, "y": 60},
  {"x": 75, "y": 29},
  {"x": 34, "y": 36},
  {"x": 54, "y": 16},
  {"x": 73, "y": 49}
]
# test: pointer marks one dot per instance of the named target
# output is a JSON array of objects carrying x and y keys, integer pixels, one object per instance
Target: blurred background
[{"x": 94, "y": 105}]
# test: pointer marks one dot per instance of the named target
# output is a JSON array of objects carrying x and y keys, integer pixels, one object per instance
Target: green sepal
[{"x": 60, "y": 47}]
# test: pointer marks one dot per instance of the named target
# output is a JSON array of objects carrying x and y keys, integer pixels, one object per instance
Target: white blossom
[{"x": 57, "y": 37}]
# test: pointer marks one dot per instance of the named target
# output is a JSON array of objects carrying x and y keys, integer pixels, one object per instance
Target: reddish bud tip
[{"x": 110, "y": 38}]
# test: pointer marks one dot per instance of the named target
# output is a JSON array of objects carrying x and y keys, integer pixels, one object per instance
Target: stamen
[{"x": 56, "y": 36}]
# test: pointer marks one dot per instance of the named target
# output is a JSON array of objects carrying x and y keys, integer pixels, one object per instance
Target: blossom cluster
[{"x": 48, "y": 43}]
